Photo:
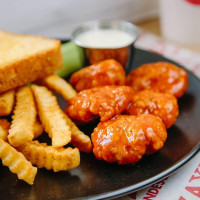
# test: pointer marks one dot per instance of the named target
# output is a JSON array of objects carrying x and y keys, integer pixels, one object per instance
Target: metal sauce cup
[{"x": 122, "y": 54}]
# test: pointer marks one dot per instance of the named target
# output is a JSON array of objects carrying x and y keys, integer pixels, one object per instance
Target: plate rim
[{"x": 144, "y": 184}]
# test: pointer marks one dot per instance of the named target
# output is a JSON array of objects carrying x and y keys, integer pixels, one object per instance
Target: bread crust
[{"x": 30, "y": 68}]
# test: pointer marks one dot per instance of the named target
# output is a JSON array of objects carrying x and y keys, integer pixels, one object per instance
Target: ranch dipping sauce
[{"x": 105, "y": 38}]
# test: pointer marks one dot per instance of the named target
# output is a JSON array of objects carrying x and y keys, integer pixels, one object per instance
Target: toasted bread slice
[{"x": 25, "y": 58}]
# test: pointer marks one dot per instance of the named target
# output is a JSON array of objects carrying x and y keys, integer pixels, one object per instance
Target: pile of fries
[{"x": 35, "y": 109}]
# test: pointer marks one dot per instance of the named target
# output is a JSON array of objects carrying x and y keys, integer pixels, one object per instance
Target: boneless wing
[
  {"x": 125, "y": 139},
  {"x": 163, "y": 105},
  {"x": 104, "y": 102},
  {"x": 161, "y": 77},
  {"x": 107, "y": 72}
]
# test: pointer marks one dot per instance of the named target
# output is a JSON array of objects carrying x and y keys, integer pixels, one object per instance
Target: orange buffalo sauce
[
  {"x": 125, "y": 139},
  {"x": 107, "y": 72},
  {"x": 161, "y": 77},
  {"x": 163, "y": 105},
  {"x": 104, "y": 102}
]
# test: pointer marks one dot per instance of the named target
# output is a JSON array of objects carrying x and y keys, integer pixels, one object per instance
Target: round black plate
[{"x": 95, "y": 179}]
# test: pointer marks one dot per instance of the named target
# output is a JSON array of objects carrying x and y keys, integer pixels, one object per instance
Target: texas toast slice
[{"x": 25, "y": 58}]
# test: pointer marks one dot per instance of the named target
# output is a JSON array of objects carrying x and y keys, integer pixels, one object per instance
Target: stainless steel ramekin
[{"x": 124, "y": 54}]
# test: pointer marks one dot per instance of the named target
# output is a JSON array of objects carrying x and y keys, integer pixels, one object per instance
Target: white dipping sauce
[{"x": 105, "y": 38}]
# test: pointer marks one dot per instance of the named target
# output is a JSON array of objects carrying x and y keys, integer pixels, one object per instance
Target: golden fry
[
  {"x": 51, "y": 116},
  {"x": 59, "y": 85},
  {"x": 58, "y": 159},
  {"x": 66, "y": 159},
  {"x": 7, "y": 102},
  {"x": 17, "y": 163},
  {"x": 37, "y": 129},
  {"x": 21, "y": 130},
  {"x": 79, "y": 139},
  {"x": 4, "y": 127}
]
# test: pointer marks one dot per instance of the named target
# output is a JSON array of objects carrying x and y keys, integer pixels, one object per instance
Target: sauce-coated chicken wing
[
  {"x": 107, "y": 72},
  {"x": 126, "y": 138},
  {"x": 161, "y": 77},
  {"x": 163, "y": 105},
  {"x": 104, "y": 101}
]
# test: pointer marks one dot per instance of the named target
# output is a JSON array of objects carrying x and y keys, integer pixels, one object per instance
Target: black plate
[{"x": 95, "y": 179}]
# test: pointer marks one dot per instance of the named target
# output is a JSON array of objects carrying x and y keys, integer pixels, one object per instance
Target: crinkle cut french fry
[
  {"x": 58, "y": 159},
  {"x": 17, "y": 163},
  {"x": 21, "y": 130},
  {"x": 4, "y": 127},
  {"x": 51, "y": 116},
  {"x": 66, "y": 159},
  {"x": 7, "y": 102},
  {"x": 58, "y": 84},
  {"x": 79, "y": 139},
  {"x": 37, "y": 129}
]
